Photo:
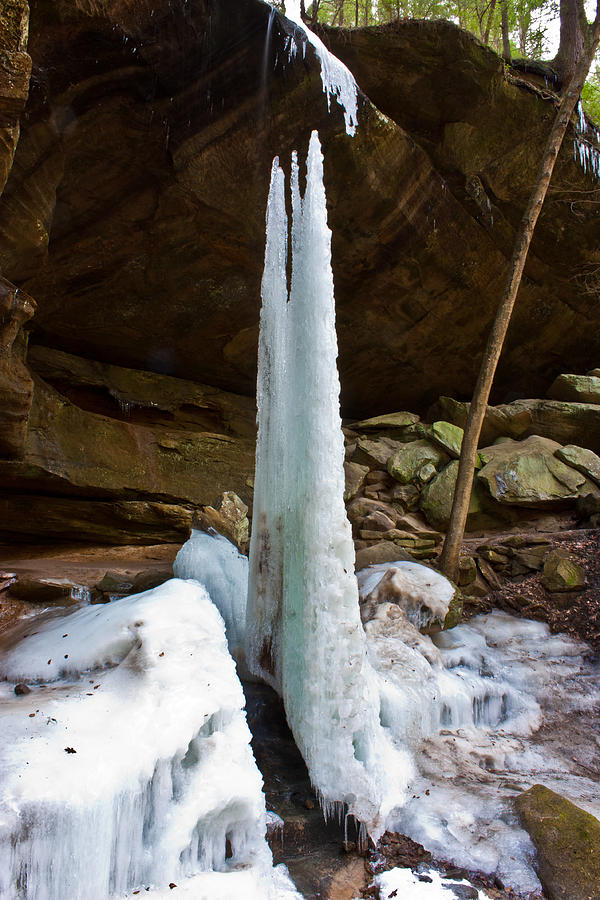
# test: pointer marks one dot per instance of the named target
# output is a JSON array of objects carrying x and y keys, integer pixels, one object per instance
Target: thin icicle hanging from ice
[
  {"x": 338, "y": 81},
  {"x": 585, "y": 145},
  {"x": 128, "y": 765},
  {"x": 304, "y": 633}
]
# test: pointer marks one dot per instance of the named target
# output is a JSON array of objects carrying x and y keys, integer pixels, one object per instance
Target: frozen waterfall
[{"x": 304, "y": 631}]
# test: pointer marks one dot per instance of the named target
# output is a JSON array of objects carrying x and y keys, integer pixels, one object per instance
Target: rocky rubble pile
[{"x": 537, "y": 474}]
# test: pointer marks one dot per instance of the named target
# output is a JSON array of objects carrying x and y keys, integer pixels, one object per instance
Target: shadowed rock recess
[{"x": 133, "y": 218}]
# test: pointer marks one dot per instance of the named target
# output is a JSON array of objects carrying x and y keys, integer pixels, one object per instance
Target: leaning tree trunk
[
  {"x": 462, "y": 493},
  {"x": 573, "y": 27}
]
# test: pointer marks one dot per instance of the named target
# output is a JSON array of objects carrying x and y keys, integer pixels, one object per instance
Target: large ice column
[
  {"x": 265, "y": 588},
  {"x": 128, "y": 765},
  {"x": 303, "y": 602}
]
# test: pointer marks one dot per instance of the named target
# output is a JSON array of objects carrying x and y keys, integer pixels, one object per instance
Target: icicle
[{"x": 338, "y": 81}]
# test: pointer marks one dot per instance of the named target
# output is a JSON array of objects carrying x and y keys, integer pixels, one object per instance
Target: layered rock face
[{"x": 133, "y": 215}]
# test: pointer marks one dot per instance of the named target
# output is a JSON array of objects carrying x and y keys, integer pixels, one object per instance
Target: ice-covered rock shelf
[{"x": 128, "y": 765}]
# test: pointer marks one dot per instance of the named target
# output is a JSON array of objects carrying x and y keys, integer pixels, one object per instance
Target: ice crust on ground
[
  {"x": 215, "y": 562},
  {"x": 470, "y": 703},
  {"x": 423, "y": 593},
  {"x": 403, "y": 880},
  {"x": 338, "y": 81},
  {"x": 129, "y": 765}
]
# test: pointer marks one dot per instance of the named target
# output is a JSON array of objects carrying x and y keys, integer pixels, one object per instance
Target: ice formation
[
  {"x": 586, "y": 145},
  {"x": 423, "y": 593},
  {"x": 304, "y": 631},
  {"x": 338, "y": 81},
  {"x": 469, "y": 703},
  {"x": 216, "y": 563},
  {"x": 128, "y": 765},
  {"x": 404, "y": 883}
]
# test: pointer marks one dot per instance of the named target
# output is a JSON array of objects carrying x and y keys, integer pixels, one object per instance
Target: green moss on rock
[{"x": 567, "y": 840}]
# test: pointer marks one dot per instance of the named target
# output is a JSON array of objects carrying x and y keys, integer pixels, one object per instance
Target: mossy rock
[
  {"x": 527, "y": 473},
  {"x": 447, "y": 436},
  {"x": 562, "y": 572},
  {"x": 409, "y": 460},
  {"x": 567, "y": 840},
  {"x": 585, "y": 461},
  {"x": 436, "y": 502},
  {"x": 454, "y": 614}
]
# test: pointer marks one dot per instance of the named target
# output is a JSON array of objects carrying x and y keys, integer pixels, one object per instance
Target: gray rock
[
  {"x": 527, "y": 473},
  {"x": 384, "y": 551},
  {"x": 576, "y": 388},
  {"x": 355, "y": 478},
  {"x": 585, "y": 461},
  {"x": 409, "y": 460},
  {"x": 562, "y": 572}
]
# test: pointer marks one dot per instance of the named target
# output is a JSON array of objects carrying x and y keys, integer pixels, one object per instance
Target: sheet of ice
[
  {"x": 338, "y": 81},
  {"x": 423, "y": 593},
  {"x": 397, "y": 882},
  {"x": 128, "y": 765},
  {"x": 216, "y": 563},
  {"x": 247, "y": 885},
  {"x": 486, "y": 709},
  {"x": 304, "y": 633}
]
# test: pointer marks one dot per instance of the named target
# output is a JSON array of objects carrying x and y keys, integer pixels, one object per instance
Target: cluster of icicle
[
  {"x": 304, "y": 634},
  {"x": 338, "y": 81},
  {"x": 586, "y": 145}
]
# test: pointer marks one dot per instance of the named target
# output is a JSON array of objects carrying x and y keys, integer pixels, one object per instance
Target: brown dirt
[{"x": 575, "y": 613}]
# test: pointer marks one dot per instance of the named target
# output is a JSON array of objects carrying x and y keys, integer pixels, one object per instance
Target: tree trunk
[
  {"x": 506, "y": 55},
  {"x": 573, "y": 27},
  {"x": 462, "y": 494},
  {"x": 486, "y": 35},
  {"x": 356, "y": 14}
]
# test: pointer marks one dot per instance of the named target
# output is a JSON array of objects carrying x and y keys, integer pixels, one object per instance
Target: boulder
[
  {"x": 409, "y": 460},
  {"x": 384, "y": 551},
  {"x": 436, "y": 502},
  {"x": 374, "y": 452},
  {"x": 562, "y": 573},
  {"x": 46, "y": 590},
  {"x": 388, "y": 422},
  {"x": 229, "y": 517},
  {"x": 576, "y": 388},
  {"x": 567, "y": 423},
  {"x": 567, "y": 840},
  {"x": 355, "y": 475},
  {"x": 447, "y": 436},
  {"x": 583, "y": 460},
  {"x": 362, "y": 507},
  {"x": 467, "y": 571},
  {"x": 527, "y": 473}
]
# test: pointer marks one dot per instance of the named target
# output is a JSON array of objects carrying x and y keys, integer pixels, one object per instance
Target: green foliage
[
  {"x": 590, "y": 95},
  {"x": 527, "y": 19}
]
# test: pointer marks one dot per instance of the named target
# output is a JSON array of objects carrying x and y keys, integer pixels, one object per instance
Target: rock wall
[{"x": 133, "y": 215}]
